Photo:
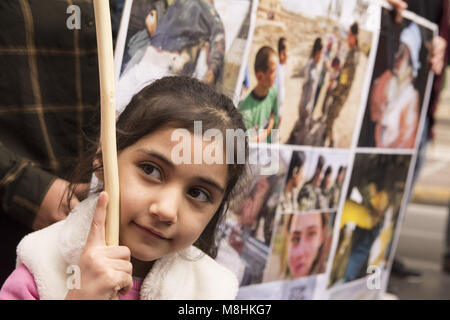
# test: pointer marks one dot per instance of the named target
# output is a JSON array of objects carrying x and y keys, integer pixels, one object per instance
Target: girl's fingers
[
  {"x": 96, "y": 235},
  {"x": 118, "y": 252},
  {"x": 122, "y": 266},
  {"x": 124, "y": 283}
]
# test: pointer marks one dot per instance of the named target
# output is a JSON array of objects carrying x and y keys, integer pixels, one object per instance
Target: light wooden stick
[{"x": 108, "y": 119}]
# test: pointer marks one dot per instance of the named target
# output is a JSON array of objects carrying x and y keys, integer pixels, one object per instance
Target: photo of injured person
[
  {"x": 182, "y": 37},
  {"x": 400, "y": 79}
]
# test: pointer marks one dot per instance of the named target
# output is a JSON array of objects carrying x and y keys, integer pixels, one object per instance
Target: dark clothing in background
[{"x": 49, "y": 107}]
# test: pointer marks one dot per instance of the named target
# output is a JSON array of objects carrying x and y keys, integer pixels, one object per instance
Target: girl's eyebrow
[
  {"x": 212, "y": 183},
  {"x": 172, "y": 166},
  {"x": 157, "y": 155}
]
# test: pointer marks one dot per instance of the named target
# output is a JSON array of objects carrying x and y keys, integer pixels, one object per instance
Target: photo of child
[
  {"x": 260, "y": 107},
  {"x": 247, "y": 232},
  {"x": 323, "y": 55},
  {"x": 301, "y": 245}
]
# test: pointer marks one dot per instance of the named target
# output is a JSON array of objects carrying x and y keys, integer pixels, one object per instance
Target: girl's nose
[{"x": 165, "y": 206}]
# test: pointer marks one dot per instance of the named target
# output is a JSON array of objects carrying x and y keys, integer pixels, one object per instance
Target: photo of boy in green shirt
[{"x": 260, "y": 107}]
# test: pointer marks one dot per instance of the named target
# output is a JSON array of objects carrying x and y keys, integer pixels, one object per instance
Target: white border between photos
[
  {"x": 121, "y": 39},
  {"x": 244, "y": 59}
]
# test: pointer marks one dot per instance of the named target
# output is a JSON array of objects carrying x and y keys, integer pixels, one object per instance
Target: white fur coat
[{"x": 188, "y": 275}]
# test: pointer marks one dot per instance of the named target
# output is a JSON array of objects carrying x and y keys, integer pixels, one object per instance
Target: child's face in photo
[
  {"x": 267, "y": 79},
  {"x": 165, "y": 207},
  {"x": 305, "y": 239}
]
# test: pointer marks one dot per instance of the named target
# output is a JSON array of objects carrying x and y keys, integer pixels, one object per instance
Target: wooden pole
[{"x": 108, "y": 119}]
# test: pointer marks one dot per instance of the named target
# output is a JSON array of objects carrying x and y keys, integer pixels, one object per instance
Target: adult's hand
[
  {"x": 439, "y": 43},
  {"x": 438, "y": 55},
  {"x": 105, "y": 270},
  {"x": 54, "y": 207}
]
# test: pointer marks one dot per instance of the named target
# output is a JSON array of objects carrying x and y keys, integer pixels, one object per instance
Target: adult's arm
[
  {"x": 22, "y": 186},
  {"x": 30, "y": 195}
]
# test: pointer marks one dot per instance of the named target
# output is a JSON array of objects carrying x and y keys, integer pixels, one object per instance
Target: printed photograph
[
  {"x": 306, "y": 71},
  {"x": 205, "y": 39},
  {"x": 399, "y": 82},
  {"x": 301, "y": 245},
  {"x": 246, "y": 234},
  {"x": 370, "y": 215},
  {"x": 314, "y": 181}
]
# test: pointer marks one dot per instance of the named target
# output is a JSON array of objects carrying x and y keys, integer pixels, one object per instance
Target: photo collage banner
[{"x": 334, "y": 94}]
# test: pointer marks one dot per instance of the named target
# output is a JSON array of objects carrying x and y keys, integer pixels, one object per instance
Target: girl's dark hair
[{"x": 176, "y": 102}]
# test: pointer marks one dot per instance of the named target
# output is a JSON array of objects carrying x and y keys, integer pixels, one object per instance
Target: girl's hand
[{"x": 105, "y": 271}]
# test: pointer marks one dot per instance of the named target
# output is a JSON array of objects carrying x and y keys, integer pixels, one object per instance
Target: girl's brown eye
[
  {"x": 199, "y": 195},
  {"x": 151, "y": 171}
]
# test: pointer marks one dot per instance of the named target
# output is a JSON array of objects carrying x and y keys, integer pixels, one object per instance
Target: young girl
[{"x": 169, "y": 211}]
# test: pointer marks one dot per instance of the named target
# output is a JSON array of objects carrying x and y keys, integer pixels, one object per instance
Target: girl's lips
[{"x": 152, "y": 232}]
